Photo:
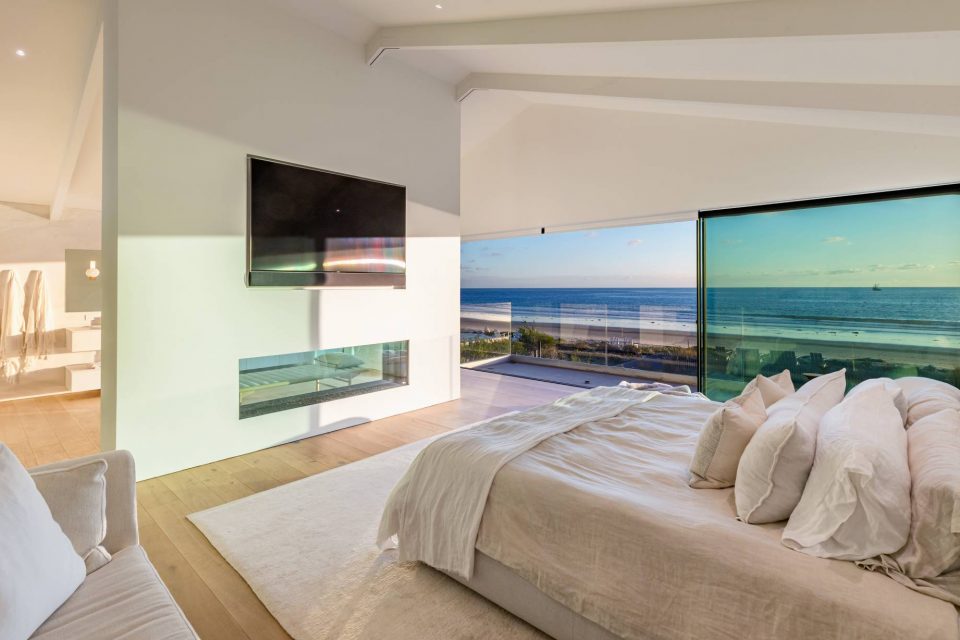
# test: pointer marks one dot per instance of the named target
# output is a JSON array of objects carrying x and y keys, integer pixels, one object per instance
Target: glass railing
[
  {"x": 288, "y": 381},
  {"x": 647, "y": 330}
]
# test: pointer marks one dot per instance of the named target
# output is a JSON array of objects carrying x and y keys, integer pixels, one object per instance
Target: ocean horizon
[{"x": 916, "y": 316}]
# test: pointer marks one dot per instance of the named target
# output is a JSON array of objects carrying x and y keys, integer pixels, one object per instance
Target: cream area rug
[{"x": 307, "y": 550}]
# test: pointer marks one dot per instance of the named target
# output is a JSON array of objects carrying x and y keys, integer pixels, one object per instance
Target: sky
[
  {"x": 893, "y": 243},
  {"x": 660, "y": 255}
]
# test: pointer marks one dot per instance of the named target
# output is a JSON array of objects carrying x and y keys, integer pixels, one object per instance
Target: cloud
[
  {"x": 954, "y": 263},
  {"x": 913, "y": 266},
  {"x": 837, "y": 272},
  {"x": 636, "y": 242},
  {"x": 591, "y": 234},
  {"x": 835, "y": 240}
]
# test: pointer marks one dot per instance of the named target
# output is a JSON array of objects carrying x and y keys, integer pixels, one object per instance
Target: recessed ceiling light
[{"x": 20, "y": 53}]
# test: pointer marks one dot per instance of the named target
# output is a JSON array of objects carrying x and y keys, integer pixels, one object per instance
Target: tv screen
[{"x": 309, "y": 227}]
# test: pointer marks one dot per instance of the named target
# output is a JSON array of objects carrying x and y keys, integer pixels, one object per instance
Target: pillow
[
  {"x": 894, "y": 390},
  {"x": 39, "y": 569},
  {"x": 933, "y": 547},
  {"x": 856, "y": 504},
  {"x": 723, "y": 439},
  {"x": 77, "y": 497},
  {"x": 926, "y": 397},
  {"x": 774, "y": 467},
  {"x": 773, "y": 388}
]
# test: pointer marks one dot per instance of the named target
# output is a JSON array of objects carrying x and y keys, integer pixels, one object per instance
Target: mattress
[{"x": 600, "y": 520}]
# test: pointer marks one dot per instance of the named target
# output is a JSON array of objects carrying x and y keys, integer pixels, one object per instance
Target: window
[
  {"x": 619, "y": 297},
  {"x": 870, "y": 284}
]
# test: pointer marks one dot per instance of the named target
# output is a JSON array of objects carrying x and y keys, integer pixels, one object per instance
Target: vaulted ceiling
[{"x": 51, "y": 79}]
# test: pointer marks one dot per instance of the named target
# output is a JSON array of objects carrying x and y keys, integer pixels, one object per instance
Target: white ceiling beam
[
  {"x": 92, "y": 87},
  {"x": 764, "y": 19},
  {"x": 941, "y": 100}
]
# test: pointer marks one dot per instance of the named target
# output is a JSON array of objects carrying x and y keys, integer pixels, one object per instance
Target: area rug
[{"x": 307, "y": 550}]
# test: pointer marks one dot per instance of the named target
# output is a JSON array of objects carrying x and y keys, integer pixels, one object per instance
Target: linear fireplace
[{"x": 277, "y": 383}]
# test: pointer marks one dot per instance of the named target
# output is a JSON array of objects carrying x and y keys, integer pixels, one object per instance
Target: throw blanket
[{"x": 436, "y": 508}]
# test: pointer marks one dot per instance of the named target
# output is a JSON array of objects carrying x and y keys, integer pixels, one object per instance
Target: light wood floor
[
  {"x": 52, "y": 428},
  {"x": 214, "y": 597}
]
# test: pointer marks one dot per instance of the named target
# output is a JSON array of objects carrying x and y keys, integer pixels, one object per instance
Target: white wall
[
  {"x": 559, "y": 165},
  {"x": 199, "y": 86}
]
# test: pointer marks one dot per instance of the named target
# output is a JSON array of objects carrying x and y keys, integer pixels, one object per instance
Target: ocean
[{"x": 917, "y": 316}]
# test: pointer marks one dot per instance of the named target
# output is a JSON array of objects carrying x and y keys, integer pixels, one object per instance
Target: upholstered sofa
[{"x": 125, "y": 598}]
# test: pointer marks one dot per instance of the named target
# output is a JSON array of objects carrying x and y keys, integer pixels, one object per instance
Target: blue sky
[
  {"x": 661, "y": 255},
  {"x": 896, "y": 243}
]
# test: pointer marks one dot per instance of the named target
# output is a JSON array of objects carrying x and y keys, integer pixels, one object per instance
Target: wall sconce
[{"x": 92, "y": 273}]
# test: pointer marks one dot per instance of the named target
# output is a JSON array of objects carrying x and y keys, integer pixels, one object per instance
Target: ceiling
[
  {"x": 42, "y": 95},
  {"x": 407, "y": 12},
  {"x": 861, "y": 64}
]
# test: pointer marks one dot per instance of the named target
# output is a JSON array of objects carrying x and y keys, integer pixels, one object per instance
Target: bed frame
[{"x": 503, "y": 587}]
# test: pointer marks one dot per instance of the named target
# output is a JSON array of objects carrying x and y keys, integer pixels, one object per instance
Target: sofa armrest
[{"x": 121, "y": 496}]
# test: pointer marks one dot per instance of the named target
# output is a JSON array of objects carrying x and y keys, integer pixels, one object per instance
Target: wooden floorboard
[{"x": 216, "y": 600}]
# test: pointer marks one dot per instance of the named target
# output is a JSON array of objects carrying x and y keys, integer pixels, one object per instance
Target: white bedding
[
  {"x": 599, "y": 517},
  {"x": 434, "y": 512}
]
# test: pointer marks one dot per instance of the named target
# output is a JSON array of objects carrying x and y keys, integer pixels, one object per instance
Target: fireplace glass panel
[{"x": 288, "y": 381}]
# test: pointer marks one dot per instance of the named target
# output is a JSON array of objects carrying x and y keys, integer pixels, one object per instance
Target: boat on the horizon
[{"x": 876, "y": 287}]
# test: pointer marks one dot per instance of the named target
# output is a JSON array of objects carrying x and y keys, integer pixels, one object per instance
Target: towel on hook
[
  {"x": 11, "y": 320},
  {"x": 37, "y": 320}
]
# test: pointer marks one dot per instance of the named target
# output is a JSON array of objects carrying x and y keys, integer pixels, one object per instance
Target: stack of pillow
[{"x": 873, "y": 476}]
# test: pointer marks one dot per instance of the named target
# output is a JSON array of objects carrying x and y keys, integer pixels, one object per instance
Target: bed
[{"x": 591, "y": 532}]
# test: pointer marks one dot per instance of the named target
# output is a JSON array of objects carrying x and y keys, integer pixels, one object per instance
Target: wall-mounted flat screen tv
[{"x": 308, "y": 227}]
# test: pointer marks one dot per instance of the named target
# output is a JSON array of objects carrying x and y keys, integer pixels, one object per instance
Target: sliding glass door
[{"x": 867, "y": 283}]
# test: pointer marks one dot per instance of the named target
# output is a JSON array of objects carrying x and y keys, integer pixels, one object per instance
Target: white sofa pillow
[
  {"x": 774, "y": 467},
  {"x": 773, "y": 388},
  {"x": 933, "y": 547},
  {"x": 39, "y": 569},
  {"x": 894, "y": 390},
  {"x": 77, "y": 498},
  {"x": 926, "y": 397},
  {"x": 723, "y": 439},
  {"x": 856, "y": 504}
]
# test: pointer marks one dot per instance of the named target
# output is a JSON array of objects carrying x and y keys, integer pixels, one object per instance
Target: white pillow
[
  {"x": 773, "y": 388},
  {"x": 926, "y": 397},
  {"x": 933, "y": 547},
  {"x": 774, "y": 467},
  {"x": 77, "y": 498},
  {"x": 894, "y": 390},
  {"x": 39, "y": 569},
  {"x": 723, "y": 439},
  {"x": 856, "y": 504}
]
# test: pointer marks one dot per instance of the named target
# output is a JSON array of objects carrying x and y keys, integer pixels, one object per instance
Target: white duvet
[{"x": 434, "y": 512}]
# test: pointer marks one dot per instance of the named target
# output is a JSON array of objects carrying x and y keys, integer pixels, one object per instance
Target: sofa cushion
[
  {"x": 124, "y": 600},
  {"x": 77, "y": 497},
  {"x": 38, "y": 567}
]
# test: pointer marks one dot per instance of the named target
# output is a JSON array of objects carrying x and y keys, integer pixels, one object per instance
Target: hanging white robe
[
  {"x": 11, "y": 322},
  {"x": 37, "y": 319}
]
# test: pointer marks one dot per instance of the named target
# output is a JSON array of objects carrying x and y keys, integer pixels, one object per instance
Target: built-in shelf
[
  {"x": 83, "y": 339},
  {"x": 81, "y": 377}
]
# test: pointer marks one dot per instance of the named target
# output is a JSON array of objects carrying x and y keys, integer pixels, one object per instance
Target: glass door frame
[{"x": 705, "y": 214}]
